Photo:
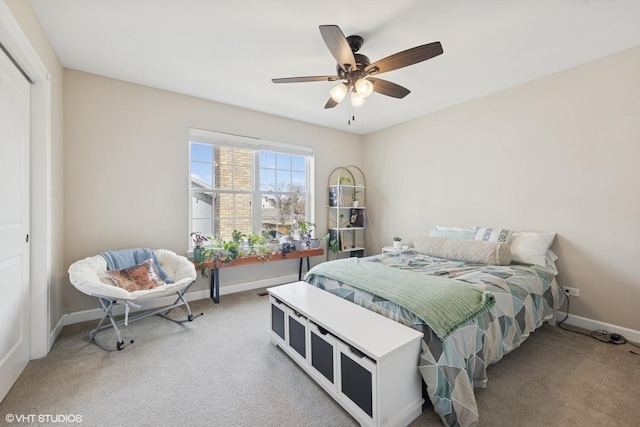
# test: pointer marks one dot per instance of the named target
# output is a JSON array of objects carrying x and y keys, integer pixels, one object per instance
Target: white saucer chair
[{"x": 90, "y": 276}]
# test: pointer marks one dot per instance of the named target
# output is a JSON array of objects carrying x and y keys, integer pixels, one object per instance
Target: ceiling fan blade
[
  {"x": 330, "y": 103},
  {"x": 389, "y": 88},
  {"x": 338, "y": 46},
  {"x": 405, "y": 58},
  {"x": 306, "y": 79}
]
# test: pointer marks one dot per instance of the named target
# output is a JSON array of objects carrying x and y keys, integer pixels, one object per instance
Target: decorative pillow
[
  {"x": 533, "y": 248},
  {"x": 140, "y": 277},
  {"x": 473, "y": 251},
  {"x": 491, "y": 234},
  {"x": 466, "y": 234}
]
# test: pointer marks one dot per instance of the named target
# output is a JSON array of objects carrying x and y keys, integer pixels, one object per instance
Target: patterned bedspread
[{"x": 525, "y": 297}]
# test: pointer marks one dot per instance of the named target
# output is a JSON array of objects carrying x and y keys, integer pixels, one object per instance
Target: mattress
[{"x": 525, "y": 295}]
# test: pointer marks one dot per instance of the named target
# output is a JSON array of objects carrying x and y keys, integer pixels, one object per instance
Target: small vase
[
  {"x": 274, "y": 245},
  {"x": 198, "y": 255},
  {"x": 397, "y": 244},
  {"x": 355, "y": 203}
]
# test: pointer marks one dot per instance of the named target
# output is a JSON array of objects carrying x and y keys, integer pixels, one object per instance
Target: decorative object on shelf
[
  {"x": 314, "y": 243},
  {"x": 332, "y": 242},
  {"x": 274, "y": 245},
  {"x": 357, "y": 218},
  {"x": 334, "y": 196},
  {"x": 397, "y": 242}
]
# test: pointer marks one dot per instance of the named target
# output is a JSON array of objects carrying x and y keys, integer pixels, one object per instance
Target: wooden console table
[{"x": 214, "y": 286}]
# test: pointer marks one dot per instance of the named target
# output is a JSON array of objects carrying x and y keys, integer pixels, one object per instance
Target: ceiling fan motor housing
[
  {"x": 355, "y": 43},
  {"x": 362, "y": 61}
]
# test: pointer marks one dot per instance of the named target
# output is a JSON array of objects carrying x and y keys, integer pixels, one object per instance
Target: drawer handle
[
  {"x": 357, "y": 352},
  {"x": 322, "y": 330},
  {"x": 298, "y": 314},
  {"x": 277, "y": 300}
]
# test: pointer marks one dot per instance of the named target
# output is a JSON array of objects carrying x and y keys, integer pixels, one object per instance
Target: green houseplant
[
  {"x": 397, "y": 242},
  {"x": 198, "y": 241},
  {"x": 331, "y": 243}
]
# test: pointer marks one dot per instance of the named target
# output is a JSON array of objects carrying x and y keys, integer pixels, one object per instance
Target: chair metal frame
[{"x": 107, "y": 308}]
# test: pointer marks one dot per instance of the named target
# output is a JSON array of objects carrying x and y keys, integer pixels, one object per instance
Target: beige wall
[
  {"x": 558, "y": 154},
  {"x": 126, "y": 168},
  {"x": 29, "y": 23}
]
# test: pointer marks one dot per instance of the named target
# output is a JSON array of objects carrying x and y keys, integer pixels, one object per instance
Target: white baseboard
[
  {"x": 56, "y": 330},
  {"x": 596, "y": 325},
  {"x": 96, "y": 313}
]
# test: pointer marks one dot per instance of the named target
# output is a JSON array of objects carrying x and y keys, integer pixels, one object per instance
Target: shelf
[
  {"x": 347, "y": 185},
  {"x": 357, "y": 248}
]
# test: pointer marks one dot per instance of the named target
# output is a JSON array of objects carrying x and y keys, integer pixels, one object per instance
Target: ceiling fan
[{"x": 356, "y": 70}]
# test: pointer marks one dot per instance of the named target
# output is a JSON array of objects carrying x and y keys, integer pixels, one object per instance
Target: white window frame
[{"x": 213, "y": 138}]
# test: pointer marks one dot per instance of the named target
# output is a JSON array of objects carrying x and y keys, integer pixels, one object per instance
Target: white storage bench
[{"x": 365, "y": 361}]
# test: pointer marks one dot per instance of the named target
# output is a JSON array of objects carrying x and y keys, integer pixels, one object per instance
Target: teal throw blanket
[{"x": 444, "y": 304}]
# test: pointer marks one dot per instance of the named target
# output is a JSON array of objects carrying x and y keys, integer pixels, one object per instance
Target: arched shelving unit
[{"x": 346, "y": 212}]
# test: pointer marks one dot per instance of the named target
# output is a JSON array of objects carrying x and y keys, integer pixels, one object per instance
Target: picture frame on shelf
[
  {"x": 357, "y": 217},
  {"x": 334, "y": 196}
]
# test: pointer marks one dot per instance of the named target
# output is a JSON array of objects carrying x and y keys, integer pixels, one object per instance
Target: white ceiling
[{"x": 228, "y": 51}]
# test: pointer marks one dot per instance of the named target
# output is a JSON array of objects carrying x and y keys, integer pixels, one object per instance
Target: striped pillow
[{"x": 492, "y": 234}]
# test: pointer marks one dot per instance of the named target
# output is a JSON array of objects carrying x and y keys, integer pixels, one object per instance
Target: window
[{"x": 246, "y": 184}]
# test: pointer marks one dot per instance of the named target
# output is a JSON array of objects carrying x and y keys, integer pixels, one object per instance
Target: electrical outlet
[{"x": 572, "y": 292}]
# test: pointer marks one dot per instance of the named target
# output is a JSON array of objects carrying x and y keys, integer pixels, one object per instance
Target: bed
[{"x": 453, "y": 363}]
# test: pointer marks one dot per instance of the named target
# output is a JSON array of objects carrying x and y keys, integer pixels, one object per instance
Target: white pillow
[{"x": 533, "y": 248}]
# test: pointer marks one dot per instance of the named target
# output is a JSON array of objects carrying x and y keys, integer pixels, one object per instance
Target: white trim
[
  {"x": 96, "y": 313},
  {"x": 595, "y": 325},
  {"x": 227, "y": 139},
  {"x": 17, "y": 44},
  {"x": 53, "y": 336}
]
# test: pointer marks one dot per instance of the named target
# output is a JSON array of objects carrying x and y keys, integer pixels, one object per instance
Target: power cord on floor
[{"x": 600, "y": 335}]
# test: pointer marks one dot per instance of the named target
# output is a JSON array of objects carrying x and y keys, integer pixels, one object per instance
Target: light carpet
[{"x": 222, "y": 370}]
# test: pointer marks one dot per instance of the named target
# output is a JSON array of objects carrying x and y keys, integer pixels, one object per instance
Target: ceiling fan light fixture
[
  {"x": 339, "y": 92},
  {"x": 357, "y": 100},
  {"x": 364, "y": 87}
]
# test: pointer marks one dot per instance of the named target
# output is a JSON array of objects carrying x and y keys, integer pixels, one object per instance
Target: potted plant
[
  {"x": 331, "y": 243},
  {"x": 397, "y": 242},
  {"x": 198, "y": 241},
  {"x": 354, "y": 198},
  {"x": 304, "y": 227}
]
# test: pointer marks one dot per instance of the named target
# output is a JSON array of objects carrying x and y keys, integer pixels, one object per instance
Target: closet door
[{"x": 14, "y": 223}]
